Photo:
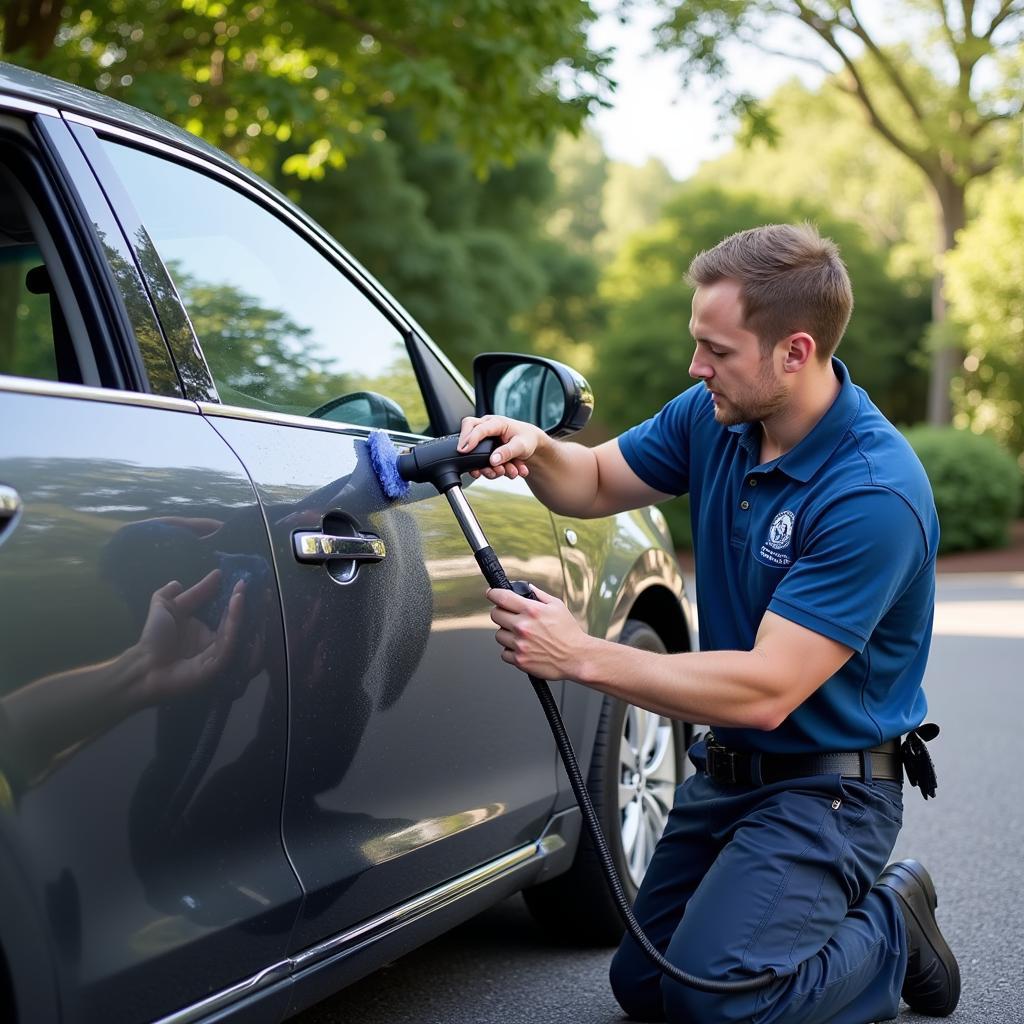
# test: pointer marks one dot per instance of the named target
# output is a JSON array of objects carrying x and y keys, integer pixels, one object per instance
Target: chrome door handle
[
  {"x": 10, "y": 502},
  {"x": 327, "y": 547}
]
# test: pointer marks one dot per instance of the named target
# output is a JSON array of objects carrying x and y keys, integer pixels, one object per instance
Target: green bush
[{"x": 976, "y": 484}]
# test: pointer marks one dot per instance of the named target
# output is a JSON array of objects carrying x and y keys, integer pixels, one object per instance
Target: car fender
[{"x": 638, "y": 577}]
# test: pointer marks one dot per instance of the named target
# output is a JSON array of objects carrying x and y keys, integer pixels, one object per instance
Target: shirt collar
[{"x": 810, "y": 454}]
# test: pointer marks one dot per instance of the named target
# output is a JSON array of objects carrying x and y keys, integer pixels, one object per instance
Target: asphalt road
[{"x": 499, "y": 968}]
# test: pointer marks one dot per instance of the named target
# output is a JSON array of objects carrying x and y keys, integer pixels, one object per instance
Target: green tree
[
  {"x": 948, "y": 103},
  {"x": 598, "y": 203},
  {"x": 632, "y": 200},
  {"x": 580, "y": 167},
  {"x": 823, "y": 151},
  {"x": 984, "y": 278},
  {"x": 382, "y": 120},
  {"x": 469, "y": 257},
  {"x": 498, "y": 75}
]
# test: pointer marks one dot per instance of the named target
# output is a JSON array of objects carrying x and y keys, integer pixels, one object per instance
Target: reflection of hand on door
[
  {"x": 177, "y": 652},
  {"x": 47, "y": 721}
]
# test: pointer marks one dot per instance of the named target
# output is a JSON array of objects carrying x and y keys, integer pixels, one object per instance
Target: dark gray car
[{"x": 255, "y": 736}]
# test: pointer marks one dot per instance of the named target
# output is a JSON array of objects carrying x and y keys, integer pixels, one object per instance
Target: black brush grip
[{"x": 492, "y": 569}]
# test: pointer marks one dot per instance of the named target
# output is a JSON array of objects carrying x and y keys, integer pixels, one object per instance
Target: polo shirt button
[
  {"x": 744, "y": 505},
  {"x": 752, "y": 481}
]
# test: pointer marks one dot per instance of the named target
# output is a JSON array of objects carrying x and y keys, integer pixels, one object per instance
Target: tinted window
[{"x": 281, "y": 327}]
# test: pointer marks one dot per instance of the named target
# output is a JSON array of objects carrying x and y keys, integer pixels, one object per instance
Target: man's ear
[{"x": 797, "y": 351}]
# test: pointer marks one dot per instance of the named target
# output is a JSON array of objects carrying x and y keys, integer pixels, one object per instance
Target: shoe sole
[{"x": 930, "y": 927}]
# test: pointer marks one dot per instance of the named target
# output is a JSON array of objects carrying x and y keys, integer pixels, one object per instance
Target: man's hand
[
  {"x": 540, "y": 637},
  {"x": 519, "y": 441},
  {"x": 179, "y": 653}
]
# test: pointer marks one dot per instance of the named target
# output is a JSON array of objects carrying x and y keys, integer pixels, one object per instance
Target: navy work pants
[{"x": 780, "y": 876}]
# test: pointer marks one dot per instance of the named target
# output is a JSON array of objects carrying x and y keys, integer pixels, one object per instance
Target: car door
[
  {"x": 142, "y": 684},
  {"x": 415, "y": 753}
]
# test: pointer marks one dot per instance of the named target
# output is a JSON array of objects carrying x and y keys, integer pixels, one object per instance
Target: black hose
[{"x": 495, "y": 575}]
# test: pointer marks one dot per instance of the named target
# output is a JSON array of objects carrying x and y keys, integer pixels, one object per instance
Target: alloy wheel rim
[{"x": 647, "y": 783}]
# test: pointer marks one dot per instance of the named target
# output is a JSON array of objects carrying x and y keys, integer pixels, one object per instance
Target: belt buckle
[{"x": 721, "y": 764}]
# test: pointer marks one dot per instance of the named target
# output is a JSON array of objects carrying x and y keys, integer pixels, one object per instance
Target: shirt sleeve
[
  {"x": 858, "y": 557},
  {"x": 658, "y": 450}
]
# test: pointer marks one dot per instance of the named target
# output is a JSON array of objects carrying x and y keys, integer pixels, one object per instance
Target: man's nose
[{"x": 699, "y": 368}]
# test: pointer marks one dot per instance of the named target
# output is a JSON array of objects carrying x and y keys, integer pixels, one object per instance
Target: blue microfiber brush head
[{"x": 384, "y": 459}]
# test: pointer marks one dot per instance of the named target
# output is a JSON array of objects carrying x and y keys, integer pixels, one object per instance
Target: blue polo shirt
[{"x": 838, "y": 535}]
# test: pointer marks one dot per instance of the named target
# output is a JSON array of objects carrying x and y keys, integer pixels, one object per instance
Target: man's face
[{"x": 744, "y": 384}]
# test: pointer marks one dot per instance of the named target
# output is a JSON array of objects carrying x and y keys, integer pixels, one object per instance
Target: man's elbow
[
  {"x": 770, "y": 699},
  {"x": 772, "y": 707},
  {"x": 766, "y": 716}
]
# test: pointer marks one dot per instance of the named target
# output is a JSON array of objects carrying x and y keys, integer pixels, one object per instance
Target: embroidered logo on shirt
[{"x": 780, "y": 533}]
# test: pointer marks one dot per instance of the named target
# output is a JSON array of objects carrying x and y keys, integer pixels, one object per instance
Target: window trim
[
  {"x": 147, "y": 344},
  {"x": 186, "y": 353},
  {"x": 89, "y": 393},
  {"x": 284, "y": 419},
  {"x": 65, "y": 179}
]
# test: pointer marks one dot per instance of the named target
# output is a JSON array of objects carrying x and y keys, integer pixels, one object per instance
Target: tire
[{"x": 577, "y": 906}]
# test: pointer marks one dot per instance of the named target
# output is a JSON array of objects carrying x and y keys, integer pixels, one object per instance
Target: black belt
[{"x": 753, "y": 769}]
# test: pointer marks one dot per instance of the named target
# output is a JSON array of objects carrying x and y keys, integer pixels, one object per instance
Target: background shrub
[{"x": 977, "y": 486}]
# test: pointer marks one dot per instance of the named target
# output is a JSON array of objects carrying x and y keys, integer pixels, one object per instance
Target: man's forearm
[
  {"x": 728, "y": 688},
  {"x": 564, "y": 476},
  {"x": 59, "y": 711}
]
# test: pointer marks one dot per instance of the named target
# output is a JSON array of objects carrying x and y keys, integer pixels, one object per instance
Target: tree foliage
[
  {"x": 396, "y": 125},
  {"x": 943, "y": 102},
  {"x": 947, "y": 97},
  {"x": 499, "y": 75},
  {"x": 580, "y": 166},
  {"x": 822, "y": 151},
  {"x": 467, "y": 256},
  {"x": 599, "y": 202},
  {"x": 632, "y": 200},
  {"x": 984, "y": 277}
]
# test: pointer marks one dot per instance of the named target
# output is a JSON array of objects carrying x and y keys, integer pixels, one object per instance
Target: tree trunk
[
  {"x": 952, "y": 216},
  {"x": 32, "y": 24}
]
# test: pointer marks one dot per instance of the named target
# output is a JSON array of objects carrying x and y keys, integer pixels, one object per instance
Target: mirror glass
[{"x": 530, "y": 392}]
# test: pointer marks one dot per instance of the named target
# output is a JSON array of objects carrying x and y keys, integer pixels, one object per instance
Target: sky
[{"x": 651, "y": 114}]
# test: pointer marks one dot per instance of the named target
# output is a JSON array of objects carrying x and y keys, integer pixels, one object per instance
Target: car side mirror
[
  {"x": 364, "y": 409},
  {"x": 540, "y": 391}
]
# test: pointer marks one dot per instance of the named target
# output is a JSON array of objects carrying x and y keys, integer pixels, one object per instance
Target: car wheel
[{"x": 638, "y": 762}]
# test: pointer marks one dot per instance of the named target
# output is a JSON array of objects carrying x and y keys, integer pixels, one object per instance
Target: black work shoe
[{"x": 932, "y": 982}]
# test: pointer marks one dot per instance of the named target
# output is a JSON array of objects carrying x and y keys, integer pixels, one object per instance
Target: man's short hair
[{"x": 791, "y": 279}]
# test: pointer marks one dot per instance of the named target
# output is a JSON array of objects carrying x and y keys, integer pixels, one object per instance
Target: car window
[
  {"x": 281, "y": 327},
  {"x": 35, "y": 340}
]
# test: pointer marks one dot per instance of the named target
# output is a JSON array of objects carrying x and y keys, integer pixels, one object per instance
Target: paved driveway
[{"x": 499, "y": 969}]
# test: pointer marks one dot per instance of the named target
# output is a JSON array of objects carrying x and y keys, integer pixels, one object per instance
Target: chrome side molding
[
  {"x": 84, "y": 392},
  {"x": 374, "y": 927}
]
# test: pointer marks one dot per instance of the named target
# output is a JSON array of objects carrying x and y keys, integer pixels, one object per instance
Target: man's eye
[{"x": 716, "y": 352}]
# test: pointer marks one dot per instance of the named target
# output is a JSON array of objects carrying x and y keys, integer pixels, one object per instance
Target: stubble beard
[{"x": 767, "y": 397}]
